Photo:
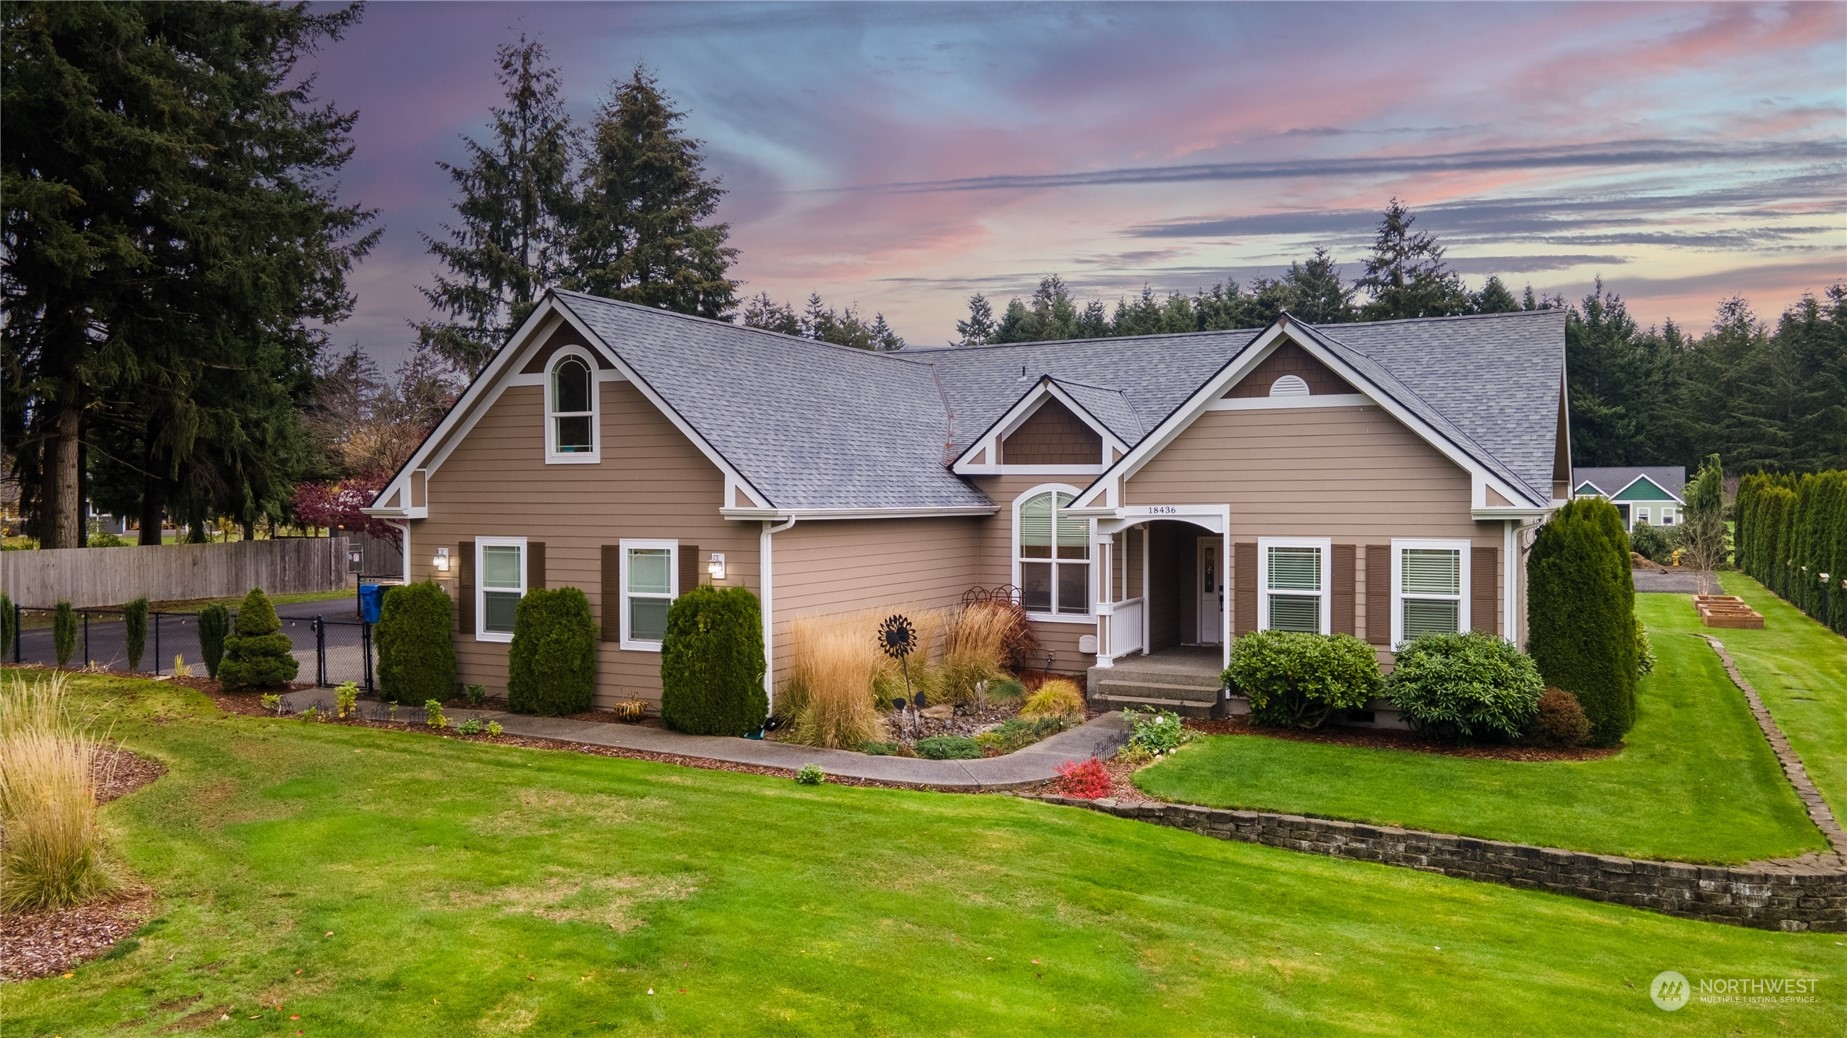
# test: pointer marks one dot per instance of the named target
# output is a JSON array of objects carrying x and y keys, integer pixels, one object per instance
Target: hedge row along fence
[{"x": 1788, "y": 530}]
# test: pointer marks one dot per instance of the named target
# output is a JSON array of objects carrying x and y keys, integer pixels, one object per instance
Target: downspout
[{"x": 763, "y": 565}]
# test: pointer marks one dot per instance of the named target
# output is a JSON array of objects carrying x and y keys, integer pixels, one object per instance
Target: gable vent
[{"x": 1289, "y": 385}]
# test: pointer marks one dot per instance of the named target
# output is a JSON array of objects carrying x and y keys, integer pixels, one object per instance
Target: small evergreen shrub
[
  {"x": 135, "y": 630},
  {"x": 1580, "y": 613},
  {"x": 1644, "y": 650},
  {"x": 416, "y": 648},
  {"x": 1559, "y": 720},
  {"x": 1088, "y": 780},
  {"x": 1654, "y": 543},
  {"x": 64, "y": 633},
  {"x": 214, "y": 627},
  {"x": 258, "y": 654},
  {"x": 551, "y": 668},
  {"x": 1058, "y": 697},
  {"x": 1464, "y": 687},
  {"x": 9, "y": 625},
  {"x": 875, "y": 748},
  {"x": 810, "y": 775},
  {"x": 712, "y": 663},
  {"x": 1297, "y": 680},
  {"x": 948, "y": 747}
]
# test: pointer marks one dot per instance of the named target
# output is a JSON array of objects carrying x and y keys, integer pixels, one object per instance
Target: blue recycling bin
[{"x": 371, "y": 599}]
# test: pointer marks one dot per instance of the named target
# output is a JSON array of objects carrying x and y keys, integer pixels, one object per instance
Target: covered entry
[{"x": 1165, "y": 585}]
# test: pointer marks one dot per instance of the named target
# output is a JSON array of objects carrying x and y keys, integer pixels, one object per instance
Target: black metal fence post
[{"x": 320, "y": 652}]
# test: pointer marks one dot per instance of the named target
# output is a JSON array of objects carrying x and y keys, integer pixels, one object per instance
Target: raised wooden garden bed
[{"x": 1727, "y": 611}]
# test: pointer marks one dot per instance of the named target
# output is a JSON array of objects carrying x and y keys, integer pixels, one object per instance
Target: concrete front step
[
  {"x": 1187, "y": 696},
  {"x": 1183, "y": 707}
]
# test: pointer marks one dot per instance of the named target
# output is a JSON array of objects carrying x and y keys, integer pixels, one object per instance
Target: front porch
[{"x": 1184, "y": 679}]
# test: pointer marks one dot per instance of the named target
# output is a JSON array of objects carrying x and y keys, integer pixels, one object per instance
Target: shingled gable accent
[
  {"x": 1103, "y": 494},
  {"x": 986, "y": 453},
  {"x": 1289, "y": 359}
]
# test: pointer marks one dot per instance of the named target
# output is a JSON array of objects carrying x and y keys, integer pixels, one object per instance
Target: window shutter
[
  {"x": 535, "y": 564},
  {"x": 689, "y": 567},
  {"x": 1484, "y": 568},
  {"x": 465, "y": 588},
  {"x": 611, "y": 595},
  {"x": 1342, "y": 587},
  {"x": 1244, "y": 596},
  {"x": 1379, "y": 594}
]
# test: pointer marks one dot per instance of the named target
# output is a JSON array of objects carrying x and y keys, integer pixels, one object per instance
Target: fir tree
[
  {"x": 1493, "y": 298},
  {"x": 978, "y": 330},
  {"x": 1315, "y": 292},
  {"x": 1406, "y": 275}
]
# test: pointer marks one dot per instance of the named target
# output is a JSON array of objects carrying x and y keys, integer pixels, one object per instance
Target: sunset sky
[{"x": 904, "y": 156}]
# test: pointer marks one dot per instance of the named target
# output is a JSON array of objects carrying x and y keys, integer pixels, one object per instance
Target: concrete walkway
[{"x": 1100, "y": 737}]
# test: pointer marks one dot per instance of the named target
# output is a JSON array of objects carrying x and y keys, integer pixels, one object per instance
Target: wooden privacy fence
[{"x": 112, "y": 576}]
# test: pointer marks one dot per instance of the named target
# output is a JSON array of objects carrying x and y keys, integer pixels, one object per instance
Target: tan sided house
[{"x": 1149, "y": 498}]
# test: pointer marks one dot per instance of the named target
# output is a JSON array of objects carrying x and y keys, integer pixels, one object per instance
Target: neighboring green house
[{"x": 1643, "y": 494}]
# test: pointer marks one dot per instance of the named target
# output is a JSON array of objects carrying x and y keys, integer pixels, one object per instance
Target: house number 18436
[{"x": 1163, "y": 509}]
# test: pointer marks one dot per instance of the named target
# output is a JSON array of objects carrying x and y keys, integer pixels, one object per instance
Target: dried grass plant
[
  {"x": 975, "y": 650},
  {"x": 834, "y": 661},
  {"x": 51, "y": 838}
]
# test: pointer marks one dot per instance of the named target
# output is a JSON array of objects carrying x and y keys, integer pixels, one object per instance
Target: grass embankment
[
  {"x": 375, "y": 882},
  {"x": 1800, "y": 669},
  {"x": 1695, "y": 780}
]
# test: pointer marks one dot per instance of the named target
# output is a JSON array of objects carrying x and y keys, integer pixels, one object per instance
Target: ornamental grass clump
[
  {"x": 974, "y": 650},
  {"x": 51, "y": 839},
  {"x": 1298, "y": 680},
  {"x": 1462, "y": 688},
  {"x": 828, "y": 698},
  {"x": 1058, "y": 697},
  {"x": 258, "y": 654}
]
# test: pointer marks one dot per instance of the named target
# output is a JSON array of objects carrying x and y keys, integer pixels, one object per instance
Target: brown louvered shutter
[
  {"x": 1484, "y": 568},
  {"x": 1379, "y": 594},
  {"x": 611, "y": 596},
  {"x": 1342, "y": 613},
  {"x": 465, "y": 588},
  {"x": 535, "y": 564},
  {"x": 1244, "y": 578},
  {"x": 689, "y": 567}
]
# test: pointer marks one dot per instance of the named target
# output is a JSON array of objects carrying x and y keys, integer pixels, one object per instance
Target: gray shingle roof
[
  {"x": 812, "y": 425},
  {"x": 1671, "y": 478}
]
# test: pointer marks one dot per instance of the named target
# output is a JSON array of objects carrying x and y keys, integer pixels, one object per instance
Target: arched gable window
[
  {"x": 570, "y": 406},
  {"x": 1051, "y": 554}
]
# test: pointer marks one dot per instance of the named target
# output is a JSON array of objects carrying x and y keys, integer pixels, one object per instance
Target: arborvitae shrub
[
  {"x": 135, "y": 629},
  {"x": 258, "y": 654},
  {"x": 552, "y": 666},
  {"x": 214, "y": 627},
  {"x": 712, "y": 662},
  {"x": 64, "y": 633},
  {"x": 1559, "y": 720},
  {"x": 8, "y": 625},
  {"x": 1297, "y": 680},
  {"x": 1464, "y": 687},
  {"x": 1580, "y": 608},
  {"x": 416, "y": 648}
]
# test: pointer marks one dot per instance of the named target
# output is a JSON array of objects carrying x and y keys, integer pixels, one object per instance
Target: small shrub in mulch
[{"x": 1086, "y": 780}]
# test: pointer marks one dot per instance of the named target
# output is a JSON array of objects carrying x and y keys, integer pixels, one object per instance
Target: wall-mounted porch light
[
  {"x": 441, "y": 561},
  {"x": 715, "y": 567}
]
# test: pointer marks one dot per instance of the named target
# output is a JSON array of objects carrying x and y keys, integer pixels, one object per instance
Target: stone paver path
[{"x": 1101, "y": 736}]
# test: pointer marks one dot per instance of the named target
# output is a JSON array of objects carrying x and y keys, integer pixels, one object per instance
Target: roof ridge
[
  {"x": 732, "y": 325},
  {"x": 1066, "y": 342}
]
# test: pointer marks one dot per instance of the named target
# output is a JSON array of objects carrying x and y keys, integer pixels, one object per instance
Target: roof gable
[{"x": 1288, "y": 359}]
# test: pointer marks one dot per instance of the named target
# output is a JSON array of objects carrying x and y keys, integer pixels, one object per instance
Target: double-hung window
[
  {"x": 1292, "y": 584},
  {"x": 1642, "y": 514},
  {"x": 1052, "y": 552},
  {"x": 650, "y": 582},
  {"x": 1430, "y": 581},
  {"x": 570, "y": 406},
  {"x": 1668, "y": 516},
  {"x": 500, "y": 563}
]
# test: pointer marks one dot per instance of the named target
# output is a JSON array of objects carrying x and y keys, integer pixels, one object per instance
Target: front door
[{"x": 1210, "y": 580}]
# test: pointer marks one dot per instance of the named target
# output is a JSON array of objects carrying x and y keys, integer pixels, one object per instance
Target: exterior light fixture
[
  {"x": 441, "y": 561},
  {"x": 715, "y": 568},
  {"x": 1824, "y": 580}
]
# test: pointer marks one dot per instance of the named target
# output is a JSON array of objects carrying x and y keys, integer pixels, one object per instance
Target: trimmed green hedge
[
  {"x": 8, "y": 626},
  {"x": 1297, "y": 680},
  {"x": 1579, "y": 614},
  {"x": 135, "y": 631},
  {"x": 552, "y": 666},
  {"x": 64, "y": 633},
  {"x": 1464, "y": 687},
  {"x": 712, "y": 662},
  {"x": 416, "y": 644},
  {"x": 258, "y": 654},
  {"x": 214, "y": 628}
]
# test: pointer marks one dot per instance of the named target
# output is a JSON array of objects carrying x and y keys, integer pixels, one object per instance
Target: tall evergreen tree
[
  {"x": 514, "y": 197},
  {"x": 1315, "y": 291},
  {"x": 1493, "y": 298},
  {"x": 1406, "y": 275},
  {"x": 979, "y": 329},
  {"x": 1615, "y": 381},
  {"x": 760, "y": 311},
  {"x": 643, "y": 230},
  {"x": 172, "y": 244}
]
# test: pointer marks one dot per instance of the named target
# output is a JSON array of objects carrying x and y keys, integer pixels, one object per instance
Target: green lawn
[
  {"x": 1800, "y": 669},
  {"x": 1695, "y": 781},
  {"x": 396, "y": 884}
]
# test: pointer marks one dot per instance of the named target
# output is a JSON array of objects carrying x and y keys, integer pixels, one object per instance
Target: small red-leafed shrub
[{"x": 1086, "y": 780}]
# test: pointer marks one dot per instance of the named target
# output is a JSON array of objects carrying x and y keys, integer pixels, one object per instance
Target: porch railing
[{"x": 1125, "y": 627}]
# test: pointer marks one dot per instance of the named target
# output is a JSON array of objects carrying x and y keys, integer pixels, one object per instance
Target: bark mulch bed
[{"x": 1391, "y": 739}]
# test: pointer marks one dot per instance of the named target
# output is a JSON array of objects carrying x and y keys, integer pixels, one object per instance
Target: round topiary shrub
[
  {"x": 1559, "y": 721},
  {"x": 551, "y": 668},
  {"x": 416, "y": 650},
  {"x": 712, "y": 662},
  {"x": 258, "y": 654},
  {"x": 1298, "y": 680},
  {"x": 1464, "y": 687},
  {"x": 1580, "y": 609}
]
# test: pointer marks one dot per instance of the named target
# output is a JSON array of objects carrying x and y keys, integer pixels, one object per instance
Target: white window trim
[
  {"x": 1464, "y": 593},
  {"x": 1325, "y": 545},
  {"x": 1644, "y": 514},
  {"x": 554, "y": 456},
  {"x": 624, "y": 545},
  {"x": 1089, "y": 616},
  {"x": 1669, "y": 516},
  {"x": 482, "y": 634}
]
